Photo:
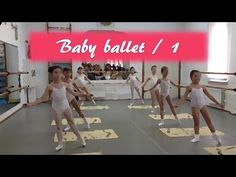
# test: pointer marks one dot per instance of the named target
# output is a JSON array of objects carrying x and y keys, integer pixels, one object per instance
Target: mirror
[
  {"x": 112, "y": 70},
  {"x": 8, "y": 62}
]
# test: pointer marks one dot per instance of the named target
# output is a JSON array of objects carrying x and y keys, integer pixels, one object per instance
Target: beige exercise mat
[
  {"x": 171, "y": 116},
  {"x": 94, "y": 107},
  {"x": 141, "y": 107},
  {"x": 183, "y": 132},
  {"x": 90, "y": 135},
  {"x": 222, "y": 150},
  {"x": 89, "y": 153},
  {"x": 79, "y": 121}
]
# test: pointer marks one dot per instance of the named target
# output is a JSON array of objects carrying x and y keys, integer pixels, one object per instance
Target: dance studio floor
[{"x": 116, "y": 129}]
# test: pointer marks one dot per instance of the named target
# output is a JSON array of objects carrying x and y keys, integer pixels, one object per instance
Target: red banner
[{"x": 101, "y": 46}]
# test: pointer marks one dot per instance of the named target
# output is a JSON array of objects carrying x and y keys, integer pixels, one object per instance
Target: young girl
[
  {"x": 71, "y": 98},
  {"x": 165, "y": 94},
  {"x": 155, "y": 92},
  {"x": 198, "y": 105},
  {"x": 80, "y": 81},
  {"x": 134, "y": 84},
  {"x": 56, "y": 91}
]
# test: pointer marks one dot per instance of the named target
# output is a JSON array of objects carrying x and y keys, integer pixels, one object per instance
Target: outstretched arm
[
  {"x": 87, "y": 79},
  {"x": 76, "y": 87},
  {"x": 211, "y": 97},
  {"x": 74, "y": 93},
  {"x": 174, "y": 84},
  {"x": 158, "y": 82},
  {"x": 43, "y": 98},
  {"x": 138, "y": 79},
  {"x": 184, "y": 97},
  {"x": 143, "y": 85},
  {"x": 127, "y": 80}
]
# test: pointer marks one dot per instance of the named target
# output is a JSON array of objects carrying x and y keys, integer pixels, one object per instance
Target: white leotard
[
  {"x": 133, "y": 80},
  {"x": 165, "y": 87},
  {"x": 59, "y": 99},
  {"x": 69, "y": 96},
  {"x": 80, "y": 81},
  {"x": 197, "y": 98},
  {"x": 154, "y": 81}
]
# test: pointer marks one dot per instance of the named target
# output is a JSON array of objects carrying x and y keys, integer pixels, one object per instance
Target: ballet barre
[
  {"x": 7, "y": 92},
  {"x": 3, "y": 93},
  {"x": 108, "y": 71},
  {"x": 6, "y": 73},
  {"x": 6, "y": 88},
  {"x": 222, "y": 88},
  {"x": 212, "y": 86},
  {"x": 219, "y": 73}
]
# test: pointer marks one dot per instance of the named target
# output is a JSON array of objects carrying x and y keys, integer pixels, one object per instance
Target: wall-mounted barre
[
  {"x": 211, "y": 86},
  {"x": 219, "y": 73},
  {"x": 6, "y": 73},
  {"x": 7, "y": 92}
]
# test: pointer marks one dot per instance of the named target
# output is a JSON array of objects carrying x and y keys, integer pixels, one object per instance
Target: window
[{"x": 218, "y": 60}]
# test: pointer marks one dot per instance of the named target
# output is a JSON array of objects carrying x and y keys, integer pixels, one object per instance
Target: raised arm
[{"x": 211, "y": 97}]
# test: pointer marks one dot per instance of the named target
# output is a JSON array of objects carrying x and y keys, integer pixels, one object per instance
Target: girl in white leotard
[
  {"x": 80, "y": 81},
  {"x": 155, "y": 92},
  {"x": 165, "y": 94},
  {"x": 56, "y": 91},
  {"x": 134, "y": 85},
  {"x": 198, "y": 105},
  {"x": 71, "y": 98}
]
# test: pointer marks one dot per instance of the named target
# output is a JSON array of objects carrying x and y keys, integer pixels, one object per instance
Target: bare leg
[
  {"x": 153, "y": 97},
  {"x": 161, "y": 110},
  {"x": 132, "y": 94},
  {"x": 76, "y": 105},
  {"x": 68, "y": 115},
  {"x": 83, "y": 98},
  {"x": 57, "y": 119},
  {"x": 196, "y": 120},
  {"x": 137, "y": 90},
  {"x": 157, "y": 96},
  {"x": 207, "y": 119},
  {"x": 169, "y": 101}
]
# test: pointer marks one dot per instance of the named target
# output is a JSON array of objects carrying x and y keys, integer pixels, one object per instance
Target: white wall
[
  {"x": 7, "y": 34},
  {"x": 231, "y": 96},
  {"x": 40, "y": 81}
]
